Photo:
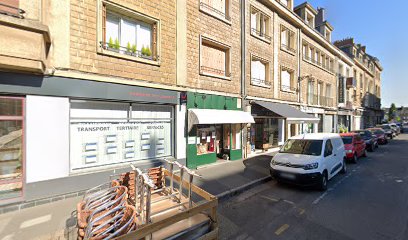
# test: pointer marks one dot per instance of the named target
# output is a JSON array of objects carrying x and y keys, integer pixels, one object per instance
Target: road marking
[
  {"x": 317, "y": 200},
  {"x": 269, "y": 198},
  {"x": 290, "y": 202},
  {"x": 35, "y": 221},
  {"x": 302, "y": 211},
  {"x": 282, "y": 229},
  {"x": 399, "y": 181}
]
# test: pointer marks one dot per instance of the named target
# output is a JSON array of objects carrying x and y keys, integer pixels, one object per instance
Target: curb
[{"x": 235, "y": 191}]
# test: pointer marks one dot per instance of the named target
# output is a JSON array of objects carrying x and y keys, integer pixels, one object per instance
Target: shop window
[
  {"x": 217, "y": 8},
  {"x": 215, "y": 59},
  {"x": 11, "y": 147},
  {"x": 259, "y": 72},
  {"x": 103, "y": 134},
  {"x": 129, "y": 33},
  {"x": 260, "y": 24},
  {"x": 287, "y": 79},
  {"x": 207, "y": 142}
]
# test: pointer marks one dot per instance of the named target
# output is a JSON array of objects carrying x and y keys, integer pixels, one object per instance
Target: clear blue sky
[{"x": 383, "y": 27}]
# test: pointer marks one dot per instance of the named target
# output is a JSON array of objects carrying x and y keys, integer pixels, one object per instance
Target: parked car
[
  {"x": 380, "y": 134},
  {"x": 401, "y": 127},
  {"x": 388, "y": 130},
  {"x": 395, "y": 128},
  {"x": 370, "y": 139},
  {"x": 354, "y": 145},
  {"x": 309, "y": 159}
]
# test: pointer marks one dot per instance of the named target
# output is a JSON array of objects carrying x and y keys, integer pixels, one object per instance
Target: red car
[
  {"x": 354, "y": 145},
  {"x": 380, "y": 134}
]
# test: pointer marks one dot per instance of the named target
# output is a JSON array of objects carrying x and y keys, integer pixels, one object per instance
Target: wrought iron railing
[
  {"x": 260, "y": 82},
  {"x": 312, "y": 99},
  {"x": 261, "y": 34},
  {"x": 214, "y": 10},
  {"x": 11, "y": 10},
  {"x": 127, "y": 51},
  {"x": 288, "y": 48},
  {"x": 288, "y": 88}
]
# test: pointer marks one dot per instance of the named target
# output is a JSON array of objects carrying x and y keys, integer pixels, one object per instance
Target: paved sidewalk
[{"x": 57, "y": 220}]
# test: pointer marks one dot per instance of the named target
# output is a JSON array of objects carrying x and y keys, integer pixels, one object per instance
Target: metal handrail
[
  {"x": 257, "y": 81},
  {"x": 215, "y": 71},
  {"x": 261, "y": 34},
  {"x": 125, "y": 50}
]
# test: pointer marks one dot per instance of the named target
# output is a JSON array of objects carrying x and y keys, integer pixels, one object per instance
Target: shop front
[
  {"x": 344, "y": 121},
  {"x": 214, "y": 128},
  {"x": 62, "y": 135},
  {"x": 275, "y": 122}
]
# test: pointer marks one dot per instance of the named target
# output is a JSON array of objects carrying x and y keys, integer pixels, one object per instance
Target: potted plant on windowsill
[
  {"x": 129, "y": 49},
  {"x": 146, "y": 53}
]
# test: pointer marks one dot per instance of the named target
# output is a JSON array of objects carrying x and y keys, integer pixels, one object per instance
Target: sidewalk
[{"x": 57, "y": 220}]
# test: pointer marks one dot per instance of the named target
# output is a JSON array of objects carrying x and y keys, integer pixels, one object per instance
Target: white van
[{"x": 310, "y": 159}]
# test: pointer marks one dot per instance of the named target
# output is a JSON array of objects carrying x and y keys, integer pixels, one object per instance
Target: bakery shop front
[{"x": 214, "y": 128}]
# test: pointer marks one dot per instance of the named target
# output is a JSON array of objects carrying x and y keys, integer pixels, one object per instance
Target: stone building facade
[{"x": 86, "y": 77}]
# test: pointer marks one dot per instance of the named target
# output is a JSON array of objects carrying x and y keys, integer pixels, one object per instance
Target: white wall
[
  {"x": 47, "y": 138},
  {"x": 180, "y": 131}
]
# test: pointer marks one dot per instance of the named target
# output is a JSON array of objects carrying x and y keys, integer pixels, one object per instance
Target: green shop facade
[{"x": 214, "y": 128}]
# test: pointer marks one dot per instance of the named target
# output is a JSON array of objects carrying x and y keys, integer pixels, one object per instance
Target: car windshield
[
  {"x": 303, "y": 146},
  {"x": 385, "y": 127},
  {"x": 347, "y": 140},
  {"x": 377, "y": 131}
]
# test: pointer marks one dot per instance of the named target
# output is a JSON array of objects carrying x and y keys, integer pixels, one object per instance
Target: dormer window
[
  {"x": 310, "y": 20},
  {"x": 285, "y": 3},
  {"x": 328, "y": 35}
]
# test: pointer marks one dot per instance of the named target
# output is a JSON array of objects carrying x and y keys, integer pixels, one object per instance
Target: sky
[{"x": 382, "y": 26}]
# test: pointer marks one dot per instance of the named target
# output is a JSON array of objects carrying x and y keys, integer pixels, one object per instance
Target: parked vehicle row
[{"x": 314, "y": 158}]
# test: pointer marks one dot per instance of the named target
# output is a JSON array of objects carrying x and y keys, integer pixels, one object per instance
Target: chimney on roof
[{"x": 321, "y": 16}]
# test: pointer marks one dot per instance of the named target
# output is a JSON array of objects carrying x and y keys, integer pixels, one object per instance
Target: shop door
[{"x": 11, "y": 148}]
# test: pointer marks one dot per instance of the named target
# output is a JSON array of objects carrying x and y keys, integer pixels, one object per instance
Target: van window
[
  {"x": 303, "y": 146},
  {"x": 328, "y": 149},
  {"x": 347, "y": 140}
]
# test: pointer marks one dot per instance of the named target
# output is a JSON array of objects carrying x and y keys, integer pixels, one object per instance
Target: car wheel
[
  {"x": 376, "y": 145},
  {"x": 371, "y": 148},
  {"x": 354, "y": 159},
  {"x": 344, "y": 168},
  {"x": 323, "y": 182},
  {"x": 386, "y": 141},
  {"x": 365, "y": 153},
  {"x": 391, "y": 137}
]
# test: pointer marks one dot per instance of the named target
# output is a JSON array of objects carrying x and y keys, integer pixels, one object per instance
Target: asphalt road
[{"x": 369, "y": 202}]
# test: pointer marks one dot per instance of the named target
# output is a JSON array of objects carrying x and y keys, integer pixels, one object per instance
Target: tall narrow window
[
  {"x": 329, "y": 99},
  {"x": 310, "y": 93},
  {"x": 259, "y": 72},
  {"x": 260, "y": 24},
  {"x": 288, "y": 41},
  {"x": 11, "y": 147},
  {"x": 287, "y": 82}
]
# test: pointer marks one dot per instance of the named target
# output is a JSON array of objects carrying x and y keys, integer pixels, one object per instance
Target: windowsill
[
  {"x": 288, "y": 91},
  {"x": 288, "y": 51},
  {"x": 317, "y": 65},
  {"x": 208, "y": 12},
  {"x": 215, "y": 76},
  {"x": 260, "y": 38},
  {"x": 127, "y": 57},
  {"x": 261, "y": 85}
]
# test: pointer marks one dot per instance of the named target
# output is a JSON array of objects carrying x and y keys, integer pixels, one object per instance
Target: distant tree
[{"x": 392, "y": 111}]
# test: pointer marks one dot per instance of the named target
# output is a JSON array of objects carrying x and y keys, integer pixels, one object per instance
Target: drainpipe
[
  {"x": 299, "y": 48},
  {"x": 243, "y": 90}
]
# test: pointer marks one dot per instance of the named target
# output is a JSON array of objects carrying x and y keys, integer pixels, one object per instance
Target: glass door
[{"x": 11, "y": 147}]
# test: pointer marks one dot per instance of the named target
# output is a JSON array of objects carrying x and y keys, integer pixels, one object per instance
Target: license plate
[{"x": 287, "y": 175}]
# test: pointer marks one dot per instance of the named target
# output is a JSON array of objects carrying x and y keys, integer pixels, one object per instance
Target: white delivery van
[{"x": 310, "y": 159}]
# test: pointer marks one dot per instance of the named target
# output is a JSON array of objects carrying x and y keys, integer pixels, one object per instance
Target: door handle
[{"x": 335, "y": 154}]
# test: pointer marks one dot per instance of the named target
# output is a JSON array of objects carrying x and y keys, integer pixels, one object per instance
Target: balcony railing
[
  {"x": 260, "y": 82},
  {"x": 214, "y": 10},
  {"x": 288, "y": 48},
  {"x": 320, "y": 64},
  {"x": 261, "y": 34},
  {"x": 215, "y": 71},
  {"x": 288, "y": 88},
  {"x": 126, "y": 51},
  {"x": 371, "y": 101},
  {"x": 11, "y": 10},
  {"x": 312, "y": 99}
]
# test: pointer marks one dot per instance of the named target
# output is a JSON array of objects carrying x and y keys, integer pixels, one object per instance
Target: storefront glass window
[
  {"x": 206, "y": 139},
  {"x": 11, "y": 148},
  {"x": 106, "y": 133}
]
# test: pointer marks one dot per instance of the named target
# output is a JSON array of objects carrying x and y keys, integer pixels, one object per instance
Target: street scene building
[{"x": 88, "y": 87}]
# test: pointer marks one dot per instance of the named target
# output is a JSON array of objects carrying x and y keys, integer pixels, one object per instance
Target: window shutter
[
  {"x": 104, "y": 25},
  {"x": 154, "y": 42},
  {"x": 11, "y": 7}
]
